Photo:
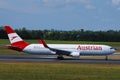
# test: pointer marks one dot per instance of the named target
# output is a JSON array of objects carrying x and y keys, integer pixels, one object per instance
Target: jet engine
[{"x": 75, "y": 54}]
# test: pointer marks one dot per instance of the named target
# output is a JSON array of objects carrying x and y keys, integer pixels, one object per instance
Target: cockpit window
[{"x": 111, "y": 48}]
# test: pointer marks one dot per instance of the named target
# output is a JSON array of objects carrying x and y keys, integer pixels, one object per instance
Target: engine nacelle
[{"x": 75, "y": 54}]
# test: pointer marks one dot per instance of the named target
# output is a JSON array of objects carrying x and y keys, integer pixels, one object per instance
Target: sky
[{"x": 61, "y": 14}]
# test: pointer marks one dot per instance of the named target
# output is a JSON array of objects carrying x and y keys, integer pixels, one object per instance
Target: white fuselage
[{"x": 81, "y": 49}]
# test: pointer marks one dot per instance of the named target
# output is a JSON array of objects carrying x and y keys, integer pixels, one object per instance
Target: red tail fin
[
  {"x": 9, "y": 30},
  {"x": 15, "y": 39}
]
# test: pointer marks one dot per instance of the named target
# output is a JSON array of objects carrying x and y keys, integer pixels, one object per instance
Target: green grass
[
  {"x": 76, "y": 42},
  {"x": 6, "y": 41},
  {"x": 58, "y": 71}
]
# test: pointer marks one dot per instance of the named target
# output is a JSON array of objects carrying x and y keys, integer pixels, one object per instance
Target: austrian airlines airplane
[{"x": 73, "y": 50}]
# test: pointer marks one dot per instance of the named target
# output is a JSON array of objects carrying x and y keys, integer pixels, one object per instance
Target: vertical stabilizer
[
  {"x": 12, "y": 35},
  {"x": 15, "y": 39}
]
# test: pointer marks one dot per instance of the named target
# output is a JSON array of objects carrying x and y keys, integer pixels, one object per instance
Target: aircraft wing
[{"x": 58, "y": 51}]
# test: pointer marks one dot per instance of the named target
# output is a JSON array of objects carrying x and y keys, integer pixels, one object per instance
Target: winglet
[{"x": 44, "y": 43}]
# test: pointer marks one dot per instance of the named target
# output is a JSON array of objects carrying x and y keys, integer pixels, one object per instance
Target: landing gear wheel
[
  {"x": 60, "y": 57},
  {"x": 106, "y": 58}
]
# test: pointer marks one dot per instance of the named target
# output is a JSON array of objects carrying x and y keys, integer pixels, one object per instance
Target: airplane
[{"x": 73, "y": 50}]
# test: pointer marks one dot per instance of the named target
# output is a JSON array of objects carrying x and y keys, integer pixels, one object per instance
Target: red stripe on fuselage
[{"x": 21, "y": 45}]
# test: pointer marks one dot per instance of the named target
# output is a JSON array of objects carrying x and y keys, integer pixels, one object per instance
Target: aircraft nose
[{"x": 113, "y": 50}]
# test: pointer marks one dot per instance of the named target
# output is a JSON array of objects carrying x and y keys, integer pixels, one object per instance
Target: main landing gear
[
  {"x": 60, "y": 57},
  {"x": 106, "y": 57}
]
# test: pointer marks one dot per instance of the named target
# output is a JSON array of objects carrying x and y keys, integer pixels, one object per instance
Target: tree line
[{"x": 74, "y": 35}]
